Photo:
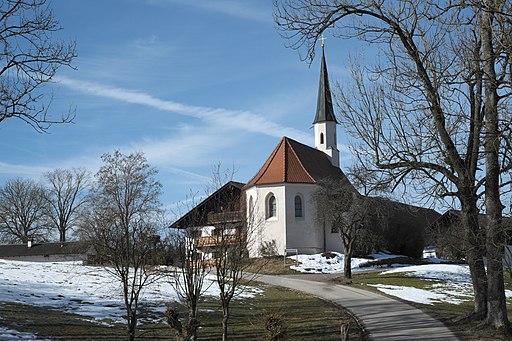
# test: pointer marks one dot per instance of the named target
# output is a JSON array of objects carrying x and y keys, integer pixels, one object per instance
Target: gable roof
[
  {"x": 44, "y": 249},
  {"x": 294, "y": 162},
  {"x": 228, "y": 194}
]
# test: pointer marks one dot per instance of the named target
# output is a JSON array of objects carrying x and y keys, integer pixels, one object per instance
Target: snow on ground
[
  {"x": 14, "y": 335},
  {"x": 451, "y": 283},
  {"x": 320, "y": 264},
  {"x": 85, "y": 290},
  {"x": 412, "y": 294}
]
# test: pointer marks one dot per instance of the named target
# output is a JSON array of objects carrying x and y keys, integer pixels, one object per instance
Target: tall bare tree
[
  {"x": 22, "y": 211},
  {"x": 30, "y": 56},
  {"x": 423, "y": 113},
  {"x": 66, "y": 194},
  {"x": 120, "y": 222},
  {"x": 344, "y": 210},
  {"x": 495, "y": 22},
  {"x": 235, "y": 234},
  {"x": 188, "y": 278}
]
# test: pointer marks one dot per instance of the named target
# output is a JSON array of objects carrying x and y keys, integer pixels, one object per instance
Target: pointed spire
[{"x": 324, "y": 108}]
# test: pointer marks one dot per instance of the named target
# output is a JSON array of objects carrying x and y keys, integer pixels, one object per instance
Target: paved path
[{"x": 384, "y": 318}]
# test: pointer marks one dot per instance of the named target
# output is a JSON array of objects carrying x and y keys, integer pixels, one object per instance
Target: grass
[
  {"x": 272, "y": 266},
  {"x": 455, "y": 316},
  {"x": 305, "y": 317}
]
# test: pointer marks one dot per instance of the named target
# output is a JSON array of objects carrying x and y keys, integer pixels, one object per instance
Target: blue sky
[{"x": 189, "y": 83}]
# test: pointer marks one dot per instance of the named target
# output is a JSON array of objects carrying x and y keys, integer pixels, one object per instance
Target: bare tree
[
  {"x": 22, "y": 211},
  {"x": 494, "y": 20},
  {"x": 30, "y": 56},
  {"x": 121, "y": 224},
  {"x": 217, "y": 233},
  {"x": 344, "y": 210},
  {"x": 234, "y": 234},
  {"x": 66, "y": 194},
  {"x": 188, "y": 279},
  {"x": 423, "y": 113}
]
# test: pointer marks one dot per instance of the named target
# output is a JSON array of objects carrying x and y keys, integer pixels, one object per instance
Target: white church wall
[
  {"x": 285, "y": 230},
  {"x": 302, "y": 233},
  {"x": 267, "y": 229},
  {"x": 333, "y": 240}
]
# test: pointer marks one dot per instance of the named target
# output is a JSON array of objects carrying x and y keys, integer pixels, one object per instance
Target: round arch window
[
  {"x": 299, "y": 209},
  {"x": 271, "y": 206}
]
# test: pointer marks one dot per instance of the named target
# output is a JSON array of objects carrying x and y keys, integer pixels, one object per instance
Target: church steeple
[
  {"x": 325, "y": 120},
  {"x": 324, "y": 108}
]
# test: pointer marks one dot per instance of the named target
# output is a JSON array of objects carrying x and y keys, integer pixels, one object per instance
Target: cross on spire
[{"x": 323, "y": 40}]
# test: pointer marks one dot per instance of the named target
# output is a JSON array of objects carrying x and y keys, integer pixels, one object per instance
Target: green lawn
[{"x": 306, "y": 318}]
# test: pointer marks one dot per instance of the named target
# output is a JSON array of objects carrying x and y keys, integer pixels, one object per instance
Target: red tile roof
[{"x": 294, "y": 162}]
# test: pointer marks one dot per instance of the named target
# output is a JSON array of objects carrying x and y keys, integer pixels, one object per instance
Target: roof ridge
[
  {"x": 267, "y": 164},
  {"x": 285, "y": 159}
]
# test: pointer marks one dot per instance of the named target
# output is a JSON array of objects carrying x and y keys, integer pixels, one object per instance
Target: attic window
[{"x": 321, "y": 138}]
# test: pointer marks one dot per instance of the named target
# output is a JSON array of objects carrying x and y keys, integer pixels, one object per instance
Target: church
[
  {"x": 278, "y": 196},
  {"x": 277, "y": 199},
  {"x": 280, "y": 191}
]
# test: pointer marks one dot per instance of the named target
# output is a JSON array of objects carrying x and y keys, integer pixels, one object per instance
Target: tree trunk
[
  {"x": 496, "y": 301},
  {"x": 475, "y": 251},
  {"x": 62, "y": 238},
  {"x": 225, "y": 318},
  {"x": 132, "y": 325},
  {"x": 347, "y": 269},
  {"x": 193, "y": 324}
]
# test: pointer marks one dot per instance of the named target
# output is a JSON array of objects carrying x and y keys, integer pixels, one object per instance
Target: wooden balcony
[
  {"x": 225, "y": 217},
  {"x": 213, "y": 241}
]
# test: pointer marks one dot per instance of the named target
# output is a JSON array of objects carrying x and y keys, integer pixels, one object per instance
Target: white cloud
[
  {"x": 31, "y": 171},
  {"x": 223, "y": 118}
]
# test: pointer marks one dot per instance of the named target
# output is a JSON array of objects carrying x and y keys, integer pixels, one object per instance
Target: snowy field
[
  {"x": 450, "y": 283},
  {"x": 85, "y": 290}
]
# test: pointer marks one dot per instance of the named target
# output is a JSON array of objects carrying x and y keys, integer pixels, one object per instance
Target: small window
[
  {"x": 298, "y": 206},
  {"x": 321, "y": 138},
  {"x": 272, "y": 206},
  {"x": 251, "y": 207}
]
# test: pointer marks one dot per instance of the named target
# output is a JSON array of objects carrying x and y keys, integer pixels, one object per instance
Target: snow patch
[
  {"x": 12, "y": 335},
  {"x": 90, "y": 291},
  {"x": 320, "y": 264}
]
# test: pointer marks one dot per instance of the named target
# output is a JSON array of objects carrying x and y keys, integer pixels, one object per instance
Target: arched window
[
  {"x": 271, "y": 206},
  {"x": 251, "y": 207},
  {"x": 298, "y": 206},
  {"x": 321, "y": 138}
]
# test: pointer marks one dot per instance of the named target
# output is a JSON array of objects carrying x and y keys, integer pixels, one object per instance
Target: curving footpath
[{"x": 383, "y": 317}]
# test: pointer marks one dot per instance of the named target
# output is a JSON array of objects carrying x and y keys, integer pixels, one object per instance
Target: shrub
[
  {"x": 274, "y": 327},
  {"x": 269, "y": 248}
]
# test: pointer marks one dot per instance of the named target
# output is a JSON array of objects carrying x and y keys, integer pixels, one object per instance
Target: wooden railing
[{"x": 212, "y": 241}]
